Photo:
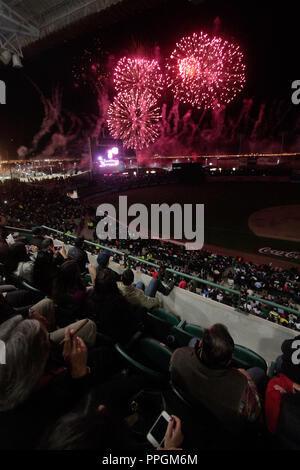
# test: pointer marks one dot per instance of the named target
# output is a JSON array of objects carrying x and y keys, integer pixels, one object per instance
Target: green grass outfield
[{"x": 227, "y": 209}]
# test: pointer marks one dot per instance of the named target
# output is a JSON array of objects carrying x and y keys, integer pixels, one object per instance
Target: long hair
[
  {"x": 67, "y": 280},
  {"x": 27, "y": 351},
  {"x": 84, "y": 428},
  {"x": 16, "y": 254}
]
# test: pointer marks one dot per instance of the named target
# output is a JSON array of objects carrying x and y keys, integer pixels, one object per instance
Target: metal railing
[{"x": 129, "y": 258}]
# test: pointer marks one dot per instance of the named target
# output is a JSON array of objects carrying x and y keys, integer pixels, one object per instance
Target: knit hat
[
  {"x": 103, "y": 259},
  {"x": 36, "y": 230}
]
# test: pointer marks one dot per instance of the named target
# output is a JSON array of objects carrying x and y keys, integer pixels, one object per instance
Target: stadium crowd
[
  {"x": 64, "y": 384},
  {"x": 25, "y": 205}
]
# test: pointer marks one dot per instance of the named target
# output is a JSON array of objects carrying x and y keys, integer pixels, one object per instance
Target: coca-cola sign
[{"x": 286, "y": 254}]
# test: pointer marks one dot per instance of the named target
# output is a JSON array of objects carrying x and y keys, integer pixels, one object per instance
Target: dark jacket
[
  {"x": 288, "y": 427},
  {"x": 221, "y": 391},
  {"x": 114, "y": 317}
]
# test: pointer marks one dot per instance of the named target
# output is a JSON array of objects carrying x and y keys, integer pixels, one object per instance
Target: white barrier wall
[{"x": 262, "y": 336}]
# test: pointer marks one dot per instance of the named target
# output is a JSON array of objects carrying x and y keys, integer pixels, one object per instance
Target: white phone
[{"x": 156, "y": 435}]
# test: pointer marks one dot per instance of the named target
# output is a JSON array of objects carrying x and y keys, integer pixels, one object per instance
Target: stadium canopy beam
[
  {"x": 23, "y": 22},
  {"x": 13, "y": 27}
]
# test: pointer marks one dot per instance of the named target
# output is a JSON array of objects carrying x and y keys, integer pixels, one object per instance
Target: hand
[
  {"x": 296, "y": 388},
  {"x": 92, "y": 272},
  {"x": 173, "y": 436},
  {"x": 75, "y": 353},
  {"x": 63, "y": 251},
  {"x": 279, "y": 388}
]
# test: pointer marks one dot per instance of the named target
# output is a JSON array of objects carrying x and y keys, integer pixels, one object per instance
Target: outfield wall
[{"x": 262, "y": 336}]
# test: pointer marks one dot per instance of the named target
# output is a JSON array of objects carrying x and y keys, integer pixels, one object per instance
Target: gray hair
[{"x": 27, "y": 352}]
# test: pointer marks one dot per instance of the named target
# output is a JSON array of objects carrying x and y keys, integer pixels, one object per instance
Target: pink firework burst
[
  {"x": 133, "y": 117},
  {"x": 206, "y": 72},
  {"x": 138, "y": 75}
]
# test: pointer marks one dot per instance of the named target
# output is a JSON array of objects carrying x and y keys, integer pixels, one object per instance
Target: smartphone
[
  {"x": 87, "y": 266},
  {"x": 57, "y": 248},
  {"x": 157, "y": 433}
]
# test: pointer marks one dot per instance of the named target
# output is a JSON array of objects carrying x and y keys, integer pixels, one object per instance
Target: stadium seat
[
  {"x": 138, "y": 365},
  {"x": 194, "y": 330},
  {"x": 155, "y": 353},
  {"x": 247, "y": 358},
  {"x": 272, "y": 370},
  {"x": 169, "y": 317},
  {"x": 156, "y": 327}
]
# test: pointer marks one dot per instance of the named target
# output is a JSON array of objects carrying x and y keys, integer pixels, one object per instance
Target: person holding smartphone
[{"x": 172, "y": 438}]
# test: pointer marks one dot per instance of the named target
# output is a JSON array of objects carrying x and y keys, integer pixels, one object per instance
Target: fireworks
[
  {"x": 89, "y": 67},
  {"x": 138, "y": 75},
  {"x": 133, "y": 117},
  {"x": 206, "y": 72}
]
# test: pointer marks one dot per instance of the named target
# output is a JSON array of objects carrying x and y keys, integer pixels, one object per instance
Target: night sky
[{"x": 267, "y": 33}]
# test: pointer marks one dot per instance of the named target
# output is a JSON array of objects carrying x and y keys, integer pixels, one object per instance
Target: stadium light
[
  {"x": 16, "y": 61},
  {"x": 5, "y": 57}
]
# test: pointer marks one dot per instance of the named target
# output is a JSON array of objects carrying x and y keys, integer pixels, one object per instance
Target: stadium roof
[{"x": 23, "y": 22}]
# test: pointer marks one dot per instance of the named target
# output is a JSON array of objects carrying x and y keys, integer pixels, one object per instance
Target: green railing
[{"x": 129, "y": 258}]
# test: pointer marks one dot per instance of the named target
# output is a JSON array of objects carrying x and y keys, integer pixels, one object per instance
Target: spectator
[
  {"x": 288, "y": 363},
  {"x": 205, "y": 374},
  {"x": 19, "y": 263},
  {"x": 34, "y": 389},
  {"x": 103, "y": 261},
  {"x": 111, "y": 312},
  {"x": 68, "y": 293},
  {"x": 277, "y": 387},
  {"x": 38, "y": 237},
  {"x": 182, "y": 284},
  {"x": 78, "y": 254},
  {"x": 134, "y": 295},
  {"x": 46, "y": 264},
  {"x": 95, "y": 426}
]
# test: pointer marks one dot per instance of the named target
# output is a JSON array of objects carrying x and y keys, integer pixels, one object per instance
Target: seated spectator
[
  {"x": 38, "y": 237},
  {"x": 19, "y": 263},
  {"x": 287, "y": 431},
  {"x": 35, "y": 388},
  {"x": 46, "y": 264},
  {"x": 68, "y": 293},
  {"x": 78, "y": 254},
  {"x": 288, "y": 363},
  {"x": 276, "y": 389},
  {"x": 108, "y": 308},
  {"x": 182, "y": 284},
  {"x": 103, "y": 261},
  {"x": 94, "y": 426},
  {"x": 134, "y": 295},
  {"x": 204, "y": 373}
]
